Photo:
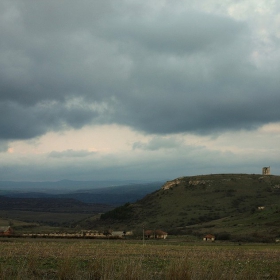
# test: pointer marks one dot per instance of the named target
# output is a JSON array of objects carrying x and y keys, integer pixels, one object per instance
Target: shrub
[
  {"x": 120, "y": 213},
  {"x": 223, "y": 236}
]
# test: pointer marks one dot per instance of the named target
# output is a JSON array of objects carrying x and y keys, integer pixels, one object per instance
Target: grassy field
[{"x": 131, "y": 259}]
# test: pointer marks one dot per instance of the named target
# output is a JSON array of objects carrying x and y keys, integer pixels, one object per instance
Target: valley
[{"x": 235, "y": 207}]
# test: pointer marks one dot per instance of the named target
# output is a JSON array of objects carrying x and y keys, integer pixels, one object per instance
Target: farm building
[
  {"x": 157, "y": 234},
  {"x": 209, "y": 237},
  {"x": 118, "y": 233},
  {"x": 122, "y": 233},
  {"x": 6, "y": 231}
]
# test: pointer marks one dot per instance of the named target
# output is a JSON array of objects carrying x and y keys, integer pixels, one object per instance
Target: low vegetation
[
  {"x": 120, "y": 213},
  {"x": 84, "y": 259},
  {"x": 235, "y": 207}
]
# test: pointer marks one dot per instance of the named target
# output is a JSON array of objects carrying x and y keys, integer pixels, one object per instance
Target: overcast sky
[{"x": 118, "y": 89}]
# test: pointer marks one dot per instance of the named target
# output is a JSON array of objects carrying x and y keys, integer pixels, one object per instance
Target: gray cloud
[
  {"x": 3, "y": 146},
  {"x": 70, "y": 154},
  {"x": 67, "y": 64},
  {"x": 23, "y": 122},
  {"x": 190, "y": 32},
  {"x": 157, "y": 143}
]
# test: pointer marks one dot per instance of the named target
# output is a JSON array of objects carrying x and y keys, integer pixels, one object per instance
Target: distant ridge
[
  {"x": 63, "y": 186},
  {"x": 86, "y": 191}
]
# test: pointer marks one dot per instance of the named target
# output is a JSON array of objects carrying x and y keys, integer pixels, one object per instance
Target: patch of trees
[
  {"x": 123, "y": 212},
  {"x": 223, "y": 236}
]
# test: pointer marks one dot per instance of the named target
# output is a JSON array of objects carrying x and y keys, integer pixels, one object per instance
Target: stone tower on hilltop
[{"x": 266, "y": 170}]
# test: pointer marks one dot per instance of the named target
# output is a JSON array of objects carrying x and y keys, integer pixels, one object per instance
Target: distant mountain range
[
  {"x": 102, "y": 192},
  {"x": 63, "y": 186},
  {"x": 66, "y": 203}
]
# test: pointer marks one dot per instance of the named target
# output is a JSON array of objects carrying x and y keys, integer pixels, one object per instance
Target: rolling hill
[
  {"x": 63, "y": 205},
  {"x": 237, "y": 206}
]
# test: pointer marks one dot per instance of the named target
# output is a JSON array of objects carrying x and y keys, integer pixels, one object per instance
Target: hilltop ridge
[{"x": 193, "y": 204}]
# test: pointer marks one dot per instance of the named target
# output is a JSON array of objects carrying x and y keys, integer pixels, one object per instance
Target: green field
[{"x": 131, "y": 259}]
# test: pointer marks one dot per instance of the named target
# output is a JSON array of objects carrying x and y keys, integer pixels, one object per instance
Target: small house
[
  {"x": 119, "y": 234},
  {"x": 156, "y": 234},
  {"x": 6, "y": 231},
  {"x": 209, "y": 237}
]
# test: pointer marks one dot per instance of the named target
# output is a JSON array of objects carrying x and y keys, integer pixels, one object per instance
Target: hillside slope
[{"x": 197, "y": 204}]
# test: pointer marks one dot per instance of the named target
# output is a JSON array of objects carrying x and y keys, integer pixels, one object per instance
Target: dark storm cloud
[
  {"x": 23, "y": 122},
  {"x": 67, "y": 64}
]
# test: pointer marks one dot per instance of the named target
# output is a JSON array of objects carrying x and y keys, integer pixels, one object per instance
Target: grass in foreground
[{"x": 88, "y": 259}]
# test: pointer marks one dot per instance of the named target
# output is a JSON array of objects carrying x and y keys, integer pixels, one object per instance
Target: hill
[{"x": 222, "y": 204}]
